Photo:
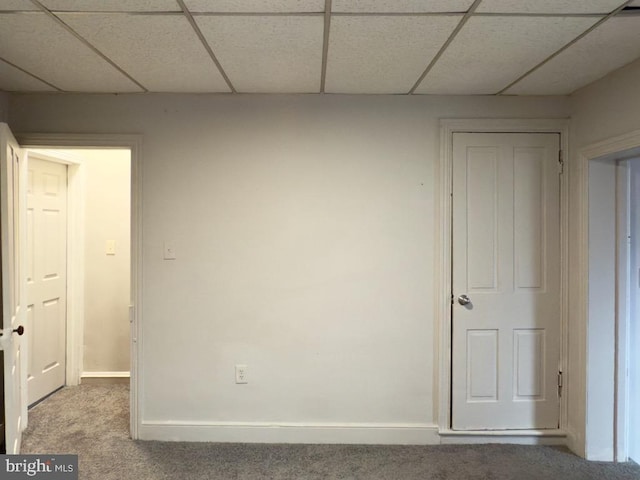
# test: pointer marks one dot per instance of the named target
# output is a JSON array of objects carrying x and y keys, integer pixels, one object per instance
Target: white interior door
[
  {"x": 506, "y": 261},
  {"x": 12, "y": 222},
  {"x": 46, "y": 276}
]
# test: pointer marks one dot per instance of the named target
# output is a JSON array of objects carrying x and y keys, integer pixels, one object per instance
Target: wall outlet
[{"x": 241, "y": 374}]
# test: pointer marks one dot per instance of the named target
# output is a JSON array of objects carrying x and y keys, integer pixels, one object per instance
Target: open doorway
[
  {"x": 95, "y": 334},
  {"x": 611, "y": 187}
]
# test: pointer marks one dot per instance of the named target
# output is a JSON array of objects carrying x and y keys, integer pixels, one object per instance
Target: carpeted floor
[{"x": 92, "y": 421}]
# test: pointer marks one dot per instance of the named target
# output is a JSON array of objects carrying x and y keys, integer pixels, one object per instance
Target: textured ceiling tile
[
  {"x": 610, "y": 46},
  {"x": 57, "y": 56},
  {"x": 548, "y": 6},
  {"x": 268, "y": 54},
  {"x": 9, "y": 5},
  {"x": 261, "y": 6},
  {"x": 112, "y": 5},
  {"x": 400, "y": 6},
  {"x": 491, "y": 52},
  {"x": 14, "y": 80},
  {"x": 162, "y": 52},
  {"x": 383, "y": 54}
]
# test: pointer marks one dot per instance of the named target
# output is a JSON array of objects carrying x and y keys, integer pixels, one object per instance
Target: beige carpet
[{"x": 92, "y": 421}]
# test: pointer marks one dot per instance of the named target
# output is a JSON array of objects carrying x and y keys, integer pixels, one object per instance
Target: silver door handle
[{"x": 464, "y": 300}]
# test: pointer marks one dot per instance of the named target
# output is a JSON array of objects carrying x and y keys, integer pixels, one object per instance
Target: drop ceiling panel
[
  {"x": 13, "y": 5},
  {"x": 261, "y": 6},
  {"x": 401, "y": 6},
  {"x": 491, "y": 52},
  {"x": 610, "y": 46},
  {"x": 112, "y": 5},
  {"x": 36, "y": 43},
  {"x": 548, "y": 6},
  {"x": 276, "y": 54},
  {"x": 383, "y": 54},
  {"x": 14, "y": 80},
  {"x": 162, "y": 52}
]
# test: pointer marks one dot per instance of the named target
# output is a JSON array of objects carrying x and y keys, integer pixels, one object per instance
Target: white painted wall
[
  {"x": 602, "y": 309},
  {"x": 607, "y": 108},
  {"x": 107, "y": 278},
  {"x": 634, "y": 334},
  {"x": 304, "y": 234}
]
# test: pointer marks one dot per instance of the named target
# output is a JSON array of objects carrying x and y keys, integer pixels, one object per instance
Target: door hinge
[
  {"x": 561, "y": 161},
  {"x": 559, "y": 384}
]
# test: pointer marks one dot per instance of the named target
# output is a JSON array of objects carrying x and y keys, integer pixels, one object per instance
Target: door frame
[
  {"x": 70, "y": 141},
  {"x": 443, "y": 276},
  {"x": 604, "y": 440}
]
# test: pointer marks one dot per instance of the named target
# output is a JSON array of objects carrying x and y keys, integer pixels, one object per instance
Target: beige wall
[
  {"x": 304, "y": 233},
  {"x": 107, "y": 213}
]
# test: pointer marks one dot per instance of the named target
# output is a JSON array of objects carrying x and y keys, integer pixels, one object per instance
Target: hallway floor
[{"x": 93, "y": 421}]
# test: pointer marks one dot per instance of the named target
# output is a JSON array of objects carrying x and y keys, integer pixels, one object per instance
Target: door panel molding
[{"x": 443, "y": 248}]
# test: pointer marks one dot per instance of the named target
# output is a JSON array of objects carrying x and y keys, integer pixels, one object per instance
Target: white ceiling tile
[
  {"x": 383, "y": 54},
  {"x": 9, "y": 5},
  {"x": 162, "y": 52},
  {"x": 261, "y": 6},
  {"x": 635, "y": 3},
  {"x": 112, "y": 5},
  {"x": 400, "y": 6},
  {"x": 57, "y": 56},
  {"x": 548, "y": 6},
  {"x": 268, "y": 54},
  {"x": 610, "y": 46},
  {"x": 491, "y": 52},
  {"x": 14, "y": 80}
]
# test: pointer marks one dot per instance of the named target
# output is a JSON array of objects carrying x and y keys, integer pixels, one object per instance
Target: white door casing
[
  {"x": 506, "y": 258},
  {"x": 12, "y": 223},
  {"x": 46, "y": 276}
]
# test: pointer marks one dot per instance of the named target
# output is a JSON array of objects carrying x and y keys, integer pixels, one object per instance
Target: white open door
[
  {"x": 12, "y": 225},
  {"x": 46, "y": 271},
  {"x": 506, "y": 281}
]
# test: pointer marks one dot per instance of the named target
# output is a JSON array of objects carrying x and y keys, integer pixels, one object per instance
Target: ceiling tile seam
[
  {"x": 398, "y": 14},
  {"x": 118, "y": 12},
  {"x": 540, "y": 15},
  {"x": 446, "y": 44},
  {"x": 31, "y": 74},
  {"x": 85, "y": 42},
  {"x": 562, "y": 49},
  {"x": 257, "y": 14},
  {"x": 325, "y": 44},
  {"x": 206, "y": 45}
]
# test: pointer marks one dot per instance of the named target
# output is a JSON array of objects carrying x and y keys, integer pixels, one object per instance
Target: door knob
[
  {"x": 19, "y": 331},
  {"x": 464, "y": 300}
]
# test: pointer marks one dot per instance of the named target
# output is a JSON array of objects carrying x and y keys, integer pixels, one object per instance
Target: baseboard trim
[
  {"x": 240, "y": 432},
  {"x": 520, "y": 437},
  {"x": 104, "y": 378}
]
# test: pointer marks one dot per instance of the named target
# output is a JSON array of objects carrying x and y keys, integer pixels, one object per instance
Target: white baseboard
[
  {"x": 377, "y": 434},
  {"x": 105, "y": 375},
  {"x": 519, "y": 437},
  {"x": 104, "y": 378}
]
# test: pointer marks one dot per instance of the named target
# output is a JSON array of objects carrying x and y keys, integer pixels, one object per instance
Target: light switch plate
[
  {"x": 110, "y": 247},
  {"x": 169, "y": 251}
]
